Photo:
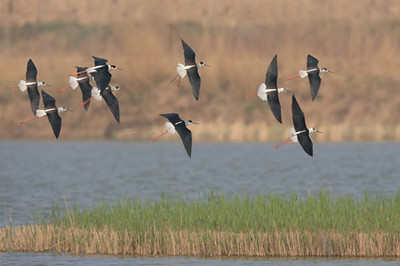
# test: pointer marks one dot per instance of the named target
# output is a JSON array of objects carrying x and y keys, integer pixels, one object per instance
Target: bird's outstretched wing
[
  {"x": 299, "y": 122},
  {"x": 102, "y": 76},
  {"x": 312, "y": 62},
  {"x": 275, "y": 105},
  {"x": 112, "y": 102},
  {"x": 85, "y": 86},
  {"x": 189, "y": 54},
  {"x": 186, "y": 136},
  {"x": 313, "y": 76},
  {"x": 34, "y": 97},
  {"x": 48, "y": 100},
  {"x": 98, "y": 61},
  {"x": 55, "y": 122},
  {"x": 31, "y": 71},
  {"x": 299, "y": 126},
  {"x": 172, "y": 117},
  {"x": 315, "y": 83},
  {"x": 195, "y": 81},
  {"x": 271, "y": 78}
]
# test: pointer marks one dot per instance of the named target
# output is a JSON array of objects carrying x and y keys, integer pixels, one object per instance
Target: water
[{"x": 35, "y": 175}]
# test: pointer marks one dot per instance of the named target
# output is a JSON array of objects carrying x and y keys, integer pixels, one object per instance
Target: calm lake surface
[{"x": 36, "y": 175}]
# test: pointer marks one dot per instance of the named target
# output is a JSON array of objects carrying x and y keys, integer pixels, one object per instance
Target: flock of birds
[{"x": 100, "y": 74}]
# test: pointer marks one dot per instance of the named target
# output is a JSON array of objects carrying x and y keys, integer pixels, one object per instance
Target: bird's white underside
[{"x": 170, "y": 128}]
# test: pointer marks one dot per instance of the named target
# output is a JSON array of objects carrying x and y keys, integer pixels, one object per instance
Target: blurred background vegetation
[{"x": 359, "y": 40}]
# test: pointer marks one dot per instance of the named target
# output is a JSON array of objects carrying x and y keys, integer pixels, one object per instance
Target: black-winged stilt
[
  {"x": 269, "y": 90},
  {"x": 312, "y": 73},
  {"x": 52, "y": 111},
  {"x": 190, "y": 68},
  {"x": 300, "y": 133},
  {"x": 31, "y": 84},
  {"x": 176, "y": 124}
]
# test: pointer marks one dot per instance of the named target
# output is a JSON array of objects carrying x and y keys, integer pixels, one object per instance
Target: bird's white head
[
  {"x": 62, "y": 109},
  {"x": 280, "y": 90},
  {"x": 115, "y": 88},
  {"x": 113, "y": 67},
  {"x": 313, "y": 130},
  {"x": 202, "y": 64},
  {"x": 190, "y": 122},
  {"x": 41, "y": 83},
  {"x": 324, "y": 70}
]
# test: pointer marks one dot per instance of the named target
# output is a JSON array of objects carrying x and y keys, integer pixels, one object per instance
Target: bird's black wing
[
  {"x": 48, "y": 100},
  {"x": 102, "y": 77},
  {"x": 172, "y": 117},
  {"x": 99, "y": 61},
  {"x": 315, "y": 83},
  {"x": 55, "y": 122},
  {"x": 188, "y": 54},
  {"x": 195, "y": 81},
  {"x": 85, "y": 86},
  {"x": 312, "y": 62},
  {"x": 271, "y": 76},
  {"x": 305, "y": 142},
  {"x": 271, "y": 83},
  {"x": 299, "y": 122},
  {"x": 186, "y": 136},
  {"x": 112, "y": 102},
  {"x": 275, "y": 105},
  {"x": 34, "y": 97},
  {"x": 31, "y": 71}
]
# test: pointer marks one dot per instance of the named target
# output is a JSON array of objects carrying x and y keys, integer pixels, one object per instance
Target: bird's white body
[
  {"x": 170, "y": 128},
  {"x": 262, "y": 91},
  {"x": 23, "y": 85},
  {"x": 293, "y": 133},
  {"x": 304, "y": 73},
  {"x": 43, "y": 112},
  {"x": 181, "y": 69},
  {"x": 96, "y": 92},
  {"x": 74, "y": 82}
]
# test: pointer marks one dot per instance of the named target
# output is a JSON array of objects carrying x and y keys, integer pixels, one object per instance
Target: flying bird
[
  {"x": 82, "y": 80},
  {"x": 31, "y": 84},
  {"x": 312, "y": 73},
  {"x": 190, "y": 68},
  {"x": 176, "y": 124},
  {"x": 300, "y": 133},
  {"x": 102, "y": 76},
  {"x": 269, "y": 90},
  {"x": 52, "y": 111}
]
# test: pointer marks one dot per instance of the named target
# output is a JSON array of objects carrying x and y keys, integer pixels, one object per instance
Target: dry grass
[
  {"x": 358, "y": 39},
  {"x": 50, "y": 238}
]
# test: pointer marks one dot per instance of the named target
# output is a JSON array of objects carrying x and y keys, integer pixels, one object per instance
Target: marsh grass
[{"x": 218, "y": 225}]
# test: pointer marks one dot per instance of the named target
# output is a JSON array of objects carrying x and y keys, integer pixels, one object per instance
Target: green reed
[{"x": 261, "y": 213}]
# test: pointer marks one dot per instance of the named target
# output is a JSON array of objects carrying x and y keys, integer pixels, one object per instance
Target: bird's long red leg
[
  {"x": 159, "y": 136},
  {"x": 27, "y": 120},
  {"x": 85, "y": 102},
  {"x": 63, "y": 89},
  {"x": 77, "y": 73},
  {"x": 12, "y": 87},
  {"x": 173, "y": 80},
  {"x": 250, "y": 95},
  {"x": 297, "y": 76},
  {"x": 285, "y": 141}
]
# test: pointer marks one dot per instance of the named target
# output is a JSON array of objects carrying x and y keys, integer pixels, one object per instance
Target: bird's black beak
[
  {"x": 319, "y": 132},
  {"x": 195, "y": 123}
]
